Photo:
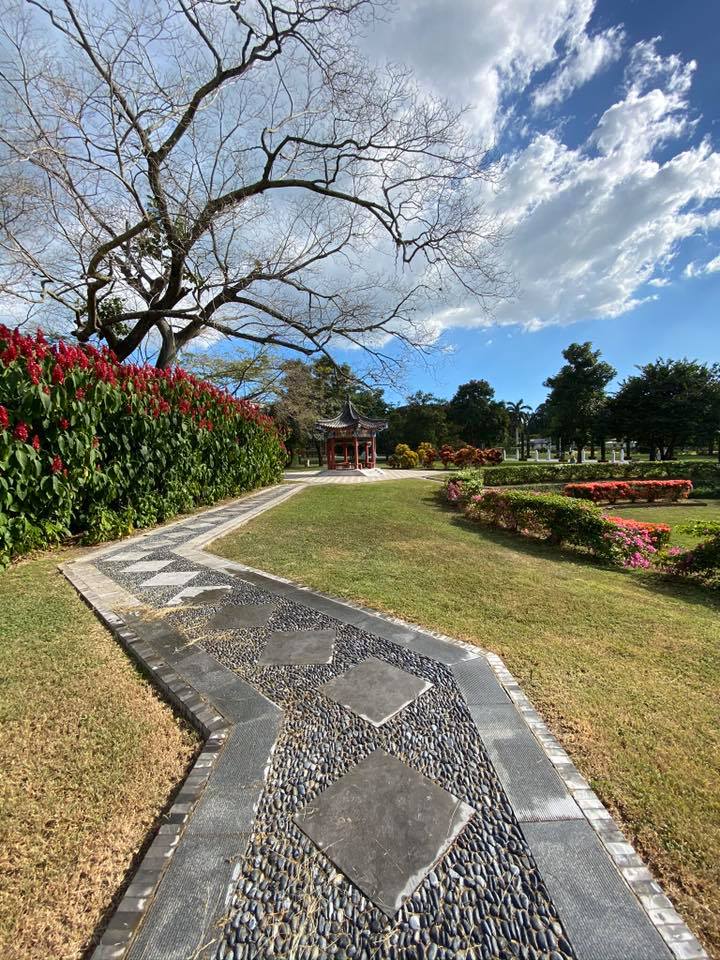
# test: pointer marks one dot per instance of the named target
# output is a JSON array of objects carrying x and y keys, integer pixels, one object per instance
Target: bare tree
[{"x": 207, "y": 168}]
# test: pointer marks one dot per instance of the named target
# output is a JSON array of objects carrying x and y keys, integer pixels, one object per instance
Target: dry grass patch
[
  {"x": 623, "y": 665},
  {"x": 90, "y": 756}
]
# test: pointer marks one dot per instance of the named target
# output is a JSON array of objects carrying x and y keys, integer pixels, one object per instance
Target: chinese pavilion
[{"x": 350, "y": 439}]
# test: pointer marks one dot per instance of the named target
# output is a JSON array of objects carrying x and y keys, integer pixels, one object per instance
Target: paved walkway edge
[{"x": 102, "y": 595}]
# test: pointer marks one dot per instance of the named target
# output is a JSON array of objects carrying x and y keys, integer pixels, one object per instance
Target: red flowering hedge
[
  {"x": 475, "y": 456},
  {"x": 92, "y": 446},
  {"x": 614, "y": 490}
]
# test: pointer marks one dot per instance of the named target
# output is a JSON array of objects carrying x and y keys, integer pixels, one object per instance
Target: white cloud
[
  {"x": 592, "y": 224},
  {"x": 595, "y": 226},
  {"x": 590, "y": 56},
  {"x": 699, "y": 269},
  {"x": 481, "y": 51}
]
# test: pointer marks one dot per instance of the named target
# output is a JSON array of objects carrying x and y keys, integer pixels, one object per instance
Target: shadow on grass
[{"x": 650, "y": 581}]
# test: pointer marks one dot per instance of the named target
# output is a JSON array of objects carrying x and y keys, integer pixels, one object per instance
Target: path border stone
[{"x": 482, "y": 678}]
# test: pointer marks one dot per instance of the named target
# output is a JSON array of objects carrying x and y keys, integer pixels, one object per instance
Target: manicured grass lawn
[
  {"x": 673, "y": 514},
  {"x": 624, "y": 666},
  {"x": 89, "y": 756}
]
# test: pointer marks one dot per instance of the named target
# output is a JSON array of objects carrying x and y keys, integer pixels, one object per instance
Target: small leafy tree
[{"x": 427, "y": 454}]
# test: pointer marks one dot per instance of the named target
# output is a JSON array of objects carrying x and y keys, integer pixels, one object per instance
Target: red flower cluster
[
  {"x": 4, "y": 418},
  {"x": 611, "y": 491},
  {"x": 657, "y": 533},
  {"x": 160, "y": 391},
  {"x": 21, "y": 432}
]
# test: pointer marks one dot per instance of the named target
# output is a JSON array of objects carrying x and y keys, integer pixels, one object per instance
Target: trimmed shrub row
[
  {"x": 93, "y": 447},
  {"x": 704, "y": 474},
  {"x": 611, "y": 491},
  {"x": 562, "y": 520}
]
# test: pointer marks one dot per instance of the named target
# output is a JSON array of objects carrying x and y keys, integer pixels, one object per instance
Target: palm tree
[{"x": 519, "y": 413}]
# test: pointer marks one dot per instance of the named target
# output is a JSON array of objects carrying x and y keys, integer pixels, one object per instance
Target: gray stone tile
[
  {"x": 531, "y": 783},
  {"x": 245, "y": 755},
  {"x": 367, "y": 824},
  {"x": 246, "y": 616},
  {"x": 228, "y": 811},
  {"x": 477, "y": 682},
  {"x": 198, "y": 595},
  {"x": 147, "y": 566},
  {"x": 185, "y": 919},
  {"x": 298, "y": 647},
  {"x": 171, "y": 579},
  {"x": 603, "y": 919},
  {"x": 375, "y": 690},
  {"x": 127, "y": 555}
]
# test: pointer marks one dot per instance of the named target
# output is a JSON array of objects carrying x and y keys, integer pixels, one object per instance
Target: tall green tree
[
  {"x": 481, "y": 420},
  {"x": 669, "y": 403},
  {"x": 422, "y": 419},
  {"x": 577, "y": 394},
  {"x": 519, "y": 414}
]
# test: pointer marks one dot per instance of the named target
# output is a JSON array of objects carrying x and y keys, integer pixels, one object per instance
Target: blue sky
[{"x": 607, "y": 125}]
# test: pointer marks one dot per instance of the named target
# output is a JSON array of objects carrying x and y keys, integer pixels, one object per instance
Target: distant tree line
[{"x": 666, "y": 406}]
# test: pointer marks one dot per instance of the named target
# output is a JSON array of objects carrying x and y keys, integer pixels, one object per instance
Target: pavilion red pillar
[
  {"x": 374, "y": 451},
  {"x": 357, "y": 455}
]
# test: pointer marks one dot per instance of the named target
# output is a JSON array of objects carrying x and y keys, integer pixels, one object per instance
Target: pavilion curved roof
[{"x": 351, "y": 418}]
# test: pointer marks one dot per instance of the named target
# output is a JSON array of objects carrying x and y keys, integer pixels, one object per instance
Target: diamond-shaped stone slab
[
  {"x": 384, "y": 826},
  {"x": 128, "y": 555},
  {"x": 147, "y": 566},
  {"x": 375, "y": 690},
  {"x": 294, "y": 647},
  {"x": 246, "y": 616},
  {"x": 171, "y": 579},
  {"x": 198, "y": 595}
]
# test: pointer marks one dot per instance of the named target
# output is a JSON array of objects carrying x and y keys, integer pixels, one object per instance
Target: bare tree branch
[{"x": 203, "y": 168}]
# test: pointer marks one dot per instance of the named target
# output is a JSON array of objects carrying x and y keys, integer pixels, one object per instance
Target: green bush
[
  {"x": 93, "y": 447},
  {"x": 558, "y": 518},
  {"x": 702, "y": 562},
  {"x": 404, "y": 458},
  {"x": 562, "y": 520}
]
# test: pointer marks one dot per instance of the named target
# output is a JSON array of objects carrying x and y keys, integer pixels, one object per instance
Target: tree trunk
[
  {"x": 653, "y": 452},
  {"x": 603, "y": 451},
  {"x": 168, "y": 350},
  {"x": 627, "y": 448},
  {"x": 318, "y": 450},
  {"x": 592, "y": 449}
]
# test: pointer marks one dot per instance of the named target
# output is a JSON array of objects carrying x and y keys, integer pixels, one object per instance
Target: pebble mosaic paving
[{"x": 381, "y": 829}]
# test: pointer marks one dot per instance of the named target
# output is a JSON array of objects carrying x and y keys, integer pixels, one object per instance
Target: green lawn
[
  {"x": 673, "y": 514},
  {"x": 89, "y": 756},
  {"x": 624, "y": 666}
]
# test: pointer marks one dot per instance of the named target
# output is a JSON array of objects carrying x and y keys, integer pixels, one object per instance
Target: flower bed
[
  {"x": 611, "y": 491},
  {"x": 701, "y": 563},
  {"x": 562, "y": 520},
  {"x": 94, "y": 447},
  {"x": 704, "y": 474}
]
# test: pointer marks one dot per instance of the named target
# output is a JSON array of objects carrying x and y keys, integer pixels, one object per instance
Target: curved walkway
[{"x": 367, "y": 789}]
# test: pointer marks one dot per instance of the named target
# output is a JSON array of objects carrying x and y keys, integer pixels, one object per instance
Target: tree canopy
[
  {"x": 236, "y": 169},
  {"x": 577, "y": 394},
  {"x": 669, "y": 403},
  {"x": 481, "y": 420}
]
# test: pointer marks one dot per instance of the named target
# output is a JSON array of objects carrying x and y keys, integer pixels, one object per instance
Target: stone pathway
[
  {"x": 367, "y": 789},
  {"x": 318, "y": 476}
]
